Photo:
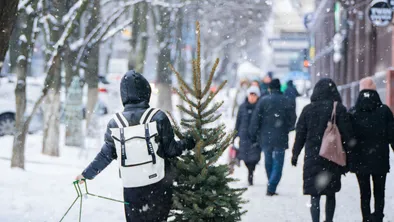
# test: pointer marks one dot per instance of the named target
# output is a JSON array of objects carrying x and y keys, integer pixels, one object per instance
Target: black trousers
[
  {"x": 330, "y": 208},
  {"x": 379, "y": 185},
  {"x": 251, "y": 167},
  {"x": 150, "y": 203}
]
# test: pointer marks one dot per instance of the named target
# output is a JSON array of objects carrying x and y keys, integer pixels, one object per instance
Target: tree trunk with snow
[
  {"x": 26, "y": 43},
  {"x": 164, "y": 59},
  {"x": 92, "y": 71},
  {"x": 51, "y": 138},
  {"x": 8, "y": 9}
]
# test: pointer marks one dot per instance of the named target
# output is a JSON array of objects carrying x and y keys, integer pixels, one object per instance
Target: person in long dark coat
[
  {"x": 373, "y": 125},
  {"x": 291, "y": 93},
  {"x": 248, "y": 152},
  {"x": 321, "y": 177},
  {"x": 271, "y": 123},
  {"x": 152, "y": 202}
]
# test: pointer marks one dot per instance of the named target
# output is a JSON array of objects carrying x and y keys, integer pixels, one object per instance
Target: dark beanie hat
[{"x": 275, "y": 84}]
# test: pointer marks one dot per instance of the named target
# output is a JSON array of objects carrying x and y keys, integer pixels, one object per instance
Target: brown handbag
[{"x": 331, "y": 147}]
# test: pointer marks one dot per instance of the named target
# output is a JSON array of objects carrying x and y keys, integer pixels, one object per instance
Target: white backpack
[{"x": 136, "y": 147}]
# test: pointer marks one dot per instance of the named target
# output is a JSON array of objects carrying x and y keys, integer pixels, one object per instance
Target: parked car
[{"x": 8, "y": 106}]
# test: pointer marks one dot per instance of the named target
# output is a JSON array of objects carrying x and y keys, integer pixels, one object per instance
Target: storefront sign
[{"x": 380, "y": 13}]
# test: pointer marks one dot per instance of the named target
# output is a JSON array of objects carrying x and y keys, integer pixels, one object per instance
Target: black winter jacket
[
  {"x": 247, "y": 152},
  {"x": 272, "y": 120},
  {"x": 321, "y": 177},
  {"x": 373, "y": 125}
]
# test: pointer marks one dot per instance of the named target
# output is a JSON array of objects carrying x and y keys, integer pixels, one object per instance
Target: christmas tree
[{"x": 202, "y": 191}]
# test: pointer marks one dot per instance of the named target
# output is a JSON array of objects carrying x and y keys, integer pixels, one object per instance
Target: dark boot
[
  {"x": 376, "y": 218},
  {"x": 270, "y": 194},
  {"x": 250, "y": 179}
]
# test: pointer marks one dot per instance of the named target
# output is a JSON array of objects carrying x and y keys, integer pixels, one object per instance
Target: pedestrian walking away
[
  {"x": 248, "y": 152},
  {"x": 321, "y": 176},
  {"x": 373, "y": 125},
  {"x": 272, "y": 120},
  {"x": 291, "y": 93},
  {"x": 142, "y": 140}
]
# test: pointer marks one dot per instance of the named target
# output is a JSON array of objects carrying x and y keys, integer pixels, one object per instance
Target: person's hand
[
  {"x": 80, "y": 178},
  {"x": 294, "y": 161},
  {"x": 190, "y": 142}
]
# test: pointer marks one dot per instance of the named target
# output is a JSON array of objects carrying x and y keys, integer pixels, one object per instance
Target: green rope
[{"x": 80, "y": 195}]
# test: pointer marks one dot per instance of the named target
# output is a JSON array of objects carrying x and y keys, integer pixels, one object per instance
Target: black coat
[
  {"x": 247, "y": 152},
  {"x": 272, "y": 120},
  {"x": 291, "y": 93},
  {"x": 135, "y": 93},
  {"x": 321, "y": 177},
  {"x": 373, "y": 125}
]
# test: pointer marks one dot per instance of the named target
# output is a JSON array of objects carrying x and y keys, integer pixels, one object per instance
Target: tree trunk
[
  {"x": 92, "y": 70},
  {"x": 25, "y": 45},
  {"x": 180, "y": 59},
  {"x": 52, "y": 101},
  {"x": 8, "y": 14},
  {"x": 140, "y": 60},
  {"x": 134, "y": 36},
  {"x": 164, "y": 59},
  {"x": 18, "y": 149},
  {"x": 52, "y": 113}
]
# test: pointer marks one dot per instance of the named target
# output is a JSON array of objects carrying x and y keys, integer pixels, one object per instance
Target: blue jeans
[{"x": 274, "y": 159}]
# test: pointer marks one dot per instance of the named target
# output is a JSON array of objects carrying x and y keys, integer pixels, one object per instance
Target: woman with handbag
[
  {"x": 318, "y": 128},
  {"x": 373, "y": 125}
]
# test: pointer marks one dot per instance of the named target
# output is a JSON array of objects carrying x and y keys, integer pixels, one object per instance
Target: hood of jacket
[
  {"x": 134, "y": 88},
  {"x": 325, "y": 89},
  {"x": 368, "y": 100}
]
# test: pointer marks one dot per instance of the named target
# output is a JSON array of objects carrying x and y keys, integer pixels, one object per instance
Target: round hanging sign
[{"x": 380, "y": 13}]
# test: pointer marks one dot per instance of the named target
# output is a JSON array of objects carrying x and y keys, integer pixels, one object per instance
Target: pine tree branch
[
  {"x": 188, "y": 120},
  {"x": 177, "y": 129},
  {"x": 223, "y": 146},
  {"x": 209, "y": 83},
  {"x": 212, "y": 96},
  {"x": 183, "y": 109},
  {"x": 181, "y": 80},
  {"x": 212, "y": 110},
  {"x": 182, "y": 95},
  {"x": 211, "y": 119}
]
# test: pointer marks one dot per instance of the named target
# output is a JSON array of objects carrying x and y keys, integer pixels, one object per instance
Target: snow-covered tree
[
  {"x": 8, "y": 14},
  {"x": 53, "y": 53},
  {"x": 26, "y": 33}
]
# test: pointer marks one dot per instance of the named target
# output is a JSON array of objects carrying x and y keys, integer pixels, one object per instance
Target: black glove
[
  {"x": 190, "y": 142},
  {"x": 294, "y": 161}
]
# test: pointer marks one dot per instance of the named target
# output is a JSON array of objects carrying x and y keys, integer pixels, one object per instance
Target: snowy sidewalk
[{"x": 44, "y": 191}]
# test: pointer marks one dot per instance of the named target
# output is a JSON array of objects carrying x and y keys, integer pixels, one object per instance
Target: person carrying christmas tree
[
  {"x": 248, "y": 152},
  {"x": 142, "y": 140},
  {"x": 272, "y": 119}
]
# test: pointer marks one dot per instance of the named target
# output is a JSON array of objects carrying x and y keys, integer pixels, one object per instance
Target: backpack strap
[
  {"x": 145, "y": 115},
  {"x": 149, "y": 118},
  {"x": 120, "y": 120},
  {"x": 148, "y": 115},
  {"x": 334, "y": 111}
]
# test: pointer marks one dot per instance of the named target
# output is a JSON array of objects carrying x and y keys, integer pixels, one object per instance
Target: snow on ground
[{"x": 44, "y": 191}]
